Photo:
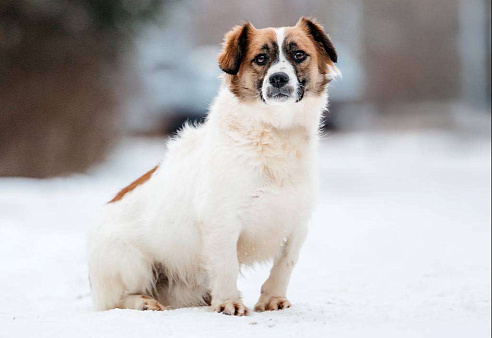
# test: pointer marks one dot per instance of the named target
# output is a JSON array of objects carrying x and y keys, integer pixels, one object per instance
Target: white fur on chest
[{"x": 278, "y": 183}]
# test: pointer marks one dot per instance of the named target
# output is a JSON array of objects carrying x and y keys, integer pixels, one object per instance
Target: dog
[{"x": 236, "y": 190}]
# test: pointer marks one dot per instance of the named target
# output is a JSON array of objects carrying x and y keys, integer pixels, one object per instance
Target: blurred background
[{"x": 78, "y": 75}]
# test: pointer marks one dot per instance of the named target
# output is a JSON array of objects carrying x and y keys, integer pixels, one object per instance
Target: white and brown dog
[{"x": 236, "y": 190}]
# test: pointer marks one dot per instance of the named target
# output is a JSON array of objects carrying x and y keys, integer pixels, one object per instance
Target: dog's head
[{"x": 278, "y": 65}]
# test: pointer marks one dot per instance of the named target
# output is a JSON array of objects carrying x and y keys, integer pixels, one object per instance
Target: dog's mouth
[{"x": 280, "y": 94}]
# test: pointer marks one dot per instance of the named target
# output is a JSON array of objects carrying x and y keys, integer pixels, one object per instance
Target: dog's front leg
[
  {"x": 223, "y": 267},
  {"x": 273, "y": 291}
]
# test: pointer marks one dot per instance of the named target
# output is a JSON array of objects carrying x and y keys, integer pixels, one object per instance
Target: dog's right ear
[
  {"x": 319, "y": 36},
  {"x": 234, "y": 48}
]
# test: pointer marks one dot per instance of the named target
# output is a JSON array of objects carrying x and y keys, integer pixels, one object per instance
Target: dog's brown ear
[
  {"x": 319, "y": 36},
  {"x": 234, "y": 48}
]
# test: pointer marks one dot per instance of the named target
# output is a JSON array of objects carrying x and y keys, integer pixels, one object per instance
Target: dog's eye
[
  {"x": 260, "y": 59},
  {"x": 300, "y": 55}
]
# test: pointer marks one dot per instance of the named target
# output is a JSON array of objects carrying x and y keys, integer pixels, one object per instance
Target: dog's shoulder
[{"x": 187, "y": 139}]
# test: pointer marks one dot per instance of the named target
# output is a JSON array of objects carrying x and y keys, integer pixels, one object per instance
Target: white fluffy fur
[{"x": 236, "y": 190}]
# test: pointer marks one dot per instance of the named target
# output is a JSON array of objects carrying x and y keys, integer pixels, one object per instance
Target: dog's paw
[
  {"x": 151, "y": 305},
  {"x": 231, "y": 307},
  {"x": 143, "y": 303},
  {"x": 272, "y": 304}
]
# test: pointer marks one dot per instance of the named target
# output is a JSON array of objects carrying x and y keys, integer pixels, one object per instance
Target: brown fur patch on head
[
  {"x": 234, "y": 48},
  {"x": 241, "y": 45},
  {"x": 139, "y": 181},
  {"x": 311, "y": 38},
  {"x": 244, "y": 43},
  {"x": 320, "y": 38}
]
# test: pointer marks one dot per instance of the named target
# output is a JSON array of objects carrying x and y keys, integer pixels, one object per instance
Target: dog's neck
[
  {"x": 233, "y": 114},
  {"x": 278, "y": 142}
]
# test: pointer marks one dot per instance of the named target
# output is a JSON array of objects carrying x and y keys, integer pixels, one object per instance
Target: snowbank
[{"x": 399, "y": 247}]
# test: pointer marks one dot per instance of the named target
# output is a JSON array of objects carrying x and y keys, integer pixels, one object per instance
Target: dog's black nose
[{"x": 278, "y": 80}]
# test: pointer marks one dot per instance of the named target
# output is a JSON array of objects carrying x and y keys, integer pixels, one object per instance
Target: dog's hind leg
[{"x": 121, "y": 276}]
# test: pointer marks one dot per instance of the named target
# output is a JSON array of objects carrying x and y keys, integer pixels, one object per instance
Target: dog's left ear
[
  {"x": 319, "y": 36},
  {"x": 234, "y": 48},
  {"x": 324, "y": 46}
]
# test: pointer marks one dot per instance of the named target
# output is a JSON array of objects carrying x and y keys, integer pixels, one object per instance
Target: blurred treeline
[
  {"x": 62, "y": 69},
  {"x": 75, "y": 74}
]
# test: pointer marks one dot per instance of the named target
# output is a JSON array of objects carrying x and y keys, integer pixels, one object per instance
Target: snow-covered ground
[{"x": 399, "y": 247}]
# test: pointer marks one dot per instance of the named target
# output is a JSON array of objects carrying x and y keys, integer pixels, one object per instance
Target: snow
[{"x": 399, "y": 247}]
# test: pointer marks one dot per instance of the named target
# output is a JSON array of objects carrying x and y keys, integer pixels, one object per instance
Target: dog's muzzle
[{"x": 279, "y": 88}]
